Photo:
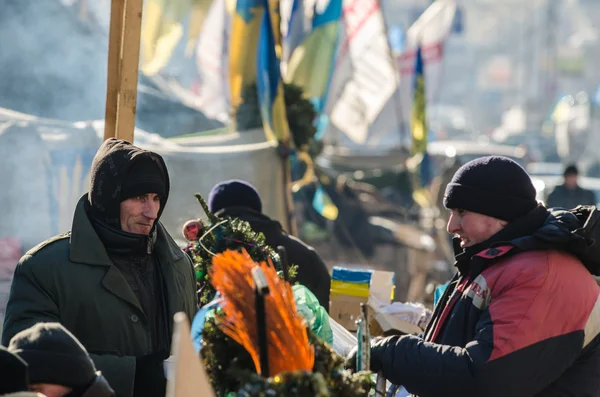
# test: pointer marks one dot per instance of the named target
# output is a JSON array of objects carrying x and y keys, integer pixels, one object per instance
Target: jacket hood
[{"x": 110, "y": 168}]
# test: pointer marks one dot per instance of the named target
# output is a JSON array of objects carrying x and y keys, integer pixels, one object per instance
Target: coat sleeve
[
  {"x": 30, "y": 301},
  {"x": 520, "y": 347}
]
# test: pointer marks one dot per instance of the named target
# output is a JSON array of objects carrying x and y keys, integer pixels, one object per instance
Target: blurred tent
[
  {"x": 48, "y": 163},
  {"x": 53, "y": 65}
]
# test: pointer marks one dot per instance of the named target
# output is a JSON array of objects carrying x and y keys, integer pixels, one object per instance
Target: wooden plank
[
  {"x": 132, "y": 27},
  {"x": 114, "y": 66}
]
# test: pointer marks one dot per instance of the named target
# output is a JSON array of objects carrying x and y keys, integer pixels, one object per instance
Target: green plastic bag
[{"x": 314, "y": 314}]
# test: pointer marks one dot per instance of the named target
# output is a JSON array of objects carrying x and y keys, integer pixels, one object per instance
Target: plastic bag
[
  {"x": 309, "y": 308},
  {"x": 343, "y": 340}
]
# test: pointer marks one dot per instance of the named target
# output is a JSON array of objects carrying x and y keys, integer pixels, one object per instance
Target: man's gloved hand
[
  {"x": 150, "y": 375},
  {"x": 378, "y": 346}
]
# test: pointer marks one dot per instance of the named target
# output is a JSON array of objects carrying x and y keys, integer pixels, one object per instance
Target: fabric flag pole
[
  {"x": 272, "y": 105},
  {"x": 420, "y": 161},
  {"x": 268, "y": 82},
  {"x": 243, "y": 42}
]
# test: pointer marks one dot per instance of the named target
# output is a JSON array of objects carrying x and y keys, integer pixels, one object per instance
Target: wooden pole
[
  {"x": 113, "y": 79},
  {"x": 123, "y": 62}
]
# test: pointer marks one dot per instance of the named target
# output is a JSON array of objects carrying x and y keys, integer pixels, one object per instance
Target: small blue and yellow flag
[
  {"x": 323, "y": 204},
  {"x": 269, "y": 84},
  {"x": 421, "y": 162}
]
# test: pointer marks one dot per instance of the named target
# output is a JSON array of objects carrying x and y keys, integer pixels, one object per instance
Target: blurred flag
[
  {"x": 420, "y": 162},
  {"x": 562, "y": 111},
  {"x": 396, "y": 38},
  {"x": 365, "y": 77},
  {"x": 268, "y": 82},
  {"x": 323, "y": 205},
  {"x": 429, "y": 32},
  {"x": 311, "y": 62},
  {"x": 297, "y": 29},
  {"x": 162, "y": 30},
  {"x": 212, "y": 60},
  {"x": 245, "y": 33}
]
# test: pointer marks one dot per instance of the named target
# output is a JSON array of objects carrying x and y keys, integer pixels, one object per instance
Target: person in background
[
  {"x": 116, "y": 280},
  {"x": 569, "y": 195},
  {"x": 239, "y": 199},
  {"x": 59, "y": 366}
]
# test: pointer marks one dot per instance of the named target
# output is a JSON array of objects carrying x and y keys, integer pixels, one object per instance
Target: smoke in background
[{"x": 52, "y": 63}]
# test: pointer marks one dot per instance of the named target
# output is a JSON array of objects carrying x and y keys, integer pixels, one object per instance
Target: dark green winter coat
[{"x": 70, "y": 279}]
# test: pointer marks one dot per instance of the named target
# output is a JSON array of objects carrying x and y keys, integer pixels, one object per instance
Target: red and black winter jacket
[{"x": 518, "y": 319}]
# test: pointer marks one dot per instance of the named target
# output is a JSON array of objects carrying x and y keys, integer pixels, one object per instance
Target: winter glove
[
  {"x": 150, "y": 378},
  {"x": 378, "y": 346}
]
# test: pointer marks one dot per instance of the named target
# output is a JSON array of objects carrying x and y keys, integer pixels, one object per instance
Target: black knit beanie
[
  {"x": 234, "y": 193},
  {"x": 13, "y": 373},
  {"x": 54, "y": 356},
  {"x": 495, "y": 186},
  {"x": 145, "y": 176}
]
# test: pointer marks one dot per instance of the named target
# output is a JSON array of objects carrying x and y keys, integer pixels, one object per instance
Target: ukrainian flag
[
  {"x": 245, "y": 33},
  {"x": 420, "y": 161},
  {"x": 268, "y": 82},
  {"x": 323, "y": 204},
  {"x": 163, "y": 29},
  {"x": 310, "y": 64}
]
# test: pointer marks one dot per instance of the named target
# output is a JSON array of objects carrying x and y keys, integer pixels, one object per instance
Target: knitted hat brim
[
  {"x": 483, "y": 202},
  {"x": 57, "y": 368}
]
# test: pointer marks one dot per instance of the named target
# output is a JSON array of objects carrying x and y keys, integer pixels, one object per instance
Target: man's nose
[
  {"x": 151, "y": 209},
  {"x": 453, "y": 225}
]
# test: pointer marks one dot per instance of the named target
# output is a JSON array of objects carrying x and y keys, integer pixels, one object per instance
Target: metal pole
[{"x": 261, "y": 289}]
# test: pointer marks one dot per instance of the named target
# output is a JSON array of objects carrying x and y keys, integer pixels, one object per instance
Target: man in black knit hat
[
  {"x": 116, "y": 280},
  {"x": 521, "y": 317},
  {"x": 239, "y": 199},
  {"x": 59, "y": 366}
]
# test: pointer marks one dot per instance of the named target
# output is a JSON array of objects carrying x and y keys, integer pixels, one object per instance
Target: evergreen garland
[
  {"x": 229, "y": 366},
  {"x": 300, "y": 113},
  {"x": 220, "y": 235},
  {"x": 232, "y": 371}
]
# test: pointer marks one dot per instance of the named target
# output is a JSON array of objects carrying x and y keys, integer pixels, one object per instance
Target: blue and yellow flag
[
  {"x": 311, "y": 62},
  {"x": 269, "y": 84},
  {"x": 323, "y": 204},
  {"x": 163, "y": 28},
  {"x": 245, "y": 33},
  {"x": 421, "y": 162}
]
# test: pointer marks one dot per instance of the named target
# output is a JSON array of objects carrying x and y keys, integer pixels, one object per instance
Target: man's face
[
  {"x": 50, "y": 390},
  {"x": 571, "y": 181},
  {"x": 472, "y": 228},
  {"x": 139, "y": 213}
]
